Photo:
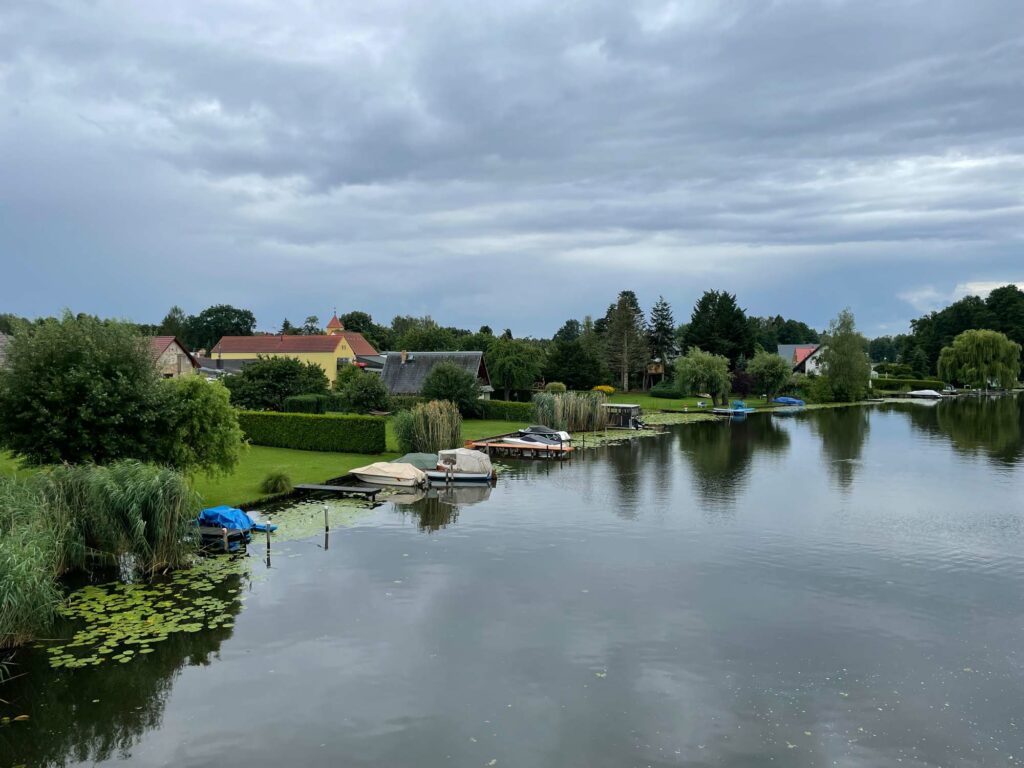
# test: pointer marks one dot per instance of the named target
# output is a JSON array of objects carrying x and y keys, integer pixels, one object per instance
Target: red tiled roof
[
  {"x": 360, "y": 346},
  {"x": 335, "y": 322},
  {"x": 802, "y": 353},
  {"x": 159, "y": 344},
  {"x": 258, "y": 345}
]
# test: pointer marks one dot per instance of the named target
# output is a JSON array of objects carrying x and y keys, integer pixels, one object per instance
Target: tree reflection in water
[
  {"x": 987, "y": 426},
  {"x": 103, "y": 710},
  {"x": 843, "y": 432},
  {"x": 720, "y": 454},
  {"x": 438, "y": 507}
]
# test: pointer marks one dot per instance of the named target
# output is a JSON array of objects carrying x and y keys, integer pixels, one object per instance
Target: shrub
[
  {"x": 264, "y": 384},
  {"x": 201, "y": 429},
  {"x": 571, "y": 411},
  {"x": 819, "y": 390},
  {"x": 429, "y": 427},
  {"x": 345, "y": 375},
  {"x": 277, "y": 481},
  {"x": 608, "y": 389},
  {"x": 405, "y": 402},
  {"x": 556, "y": 387},
  {"x": 906, "y": 384},
  {"x": 894, "y": 369},
  {"x": 504, "y": 410},
  {"x": 314, "y": 432},
  {"x": 450, "y": 382},
  {"x": 364, "y": 393},
  {"x": 306, "y": 403},
  {"x": 665, "y": 389}
]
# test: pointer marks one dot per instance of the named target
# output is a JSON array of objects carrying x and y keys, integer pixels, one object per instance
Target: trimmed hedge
[
  {"x": 314, "y": 432},
  {"x": 896, "y": 385},
  {"x": 503, "y": 410}
]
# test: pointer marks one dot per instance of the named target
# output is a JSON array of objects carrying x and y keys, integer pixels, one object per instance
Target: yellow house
[{"x": 327, "y": 351}]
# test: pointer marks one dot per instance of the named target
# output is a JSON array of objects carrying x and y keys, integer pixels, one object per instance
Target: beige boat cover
[
  {"x": 387, "y": 469},
  {"x": 466, "y": 460}
]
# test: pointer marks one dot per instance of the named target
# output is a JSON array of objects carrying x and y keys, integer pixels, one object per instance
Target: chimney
[{"x": 405, "y": 356}]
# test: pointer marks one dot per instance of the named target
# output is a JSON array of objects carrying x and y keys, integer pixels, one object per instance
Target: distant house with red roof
[
  {"x": 171, "y": 357},
  {"x": 330, "y": 350},
  {"x": 804, "y": 358}
]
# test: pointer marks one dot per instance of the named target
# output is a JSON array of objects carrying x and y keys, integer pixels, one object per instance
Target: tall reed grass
[
  {"x": 571, "y": 411},
  {"x": 131, "y": 516},
  {"x": 429, "y": 427}
]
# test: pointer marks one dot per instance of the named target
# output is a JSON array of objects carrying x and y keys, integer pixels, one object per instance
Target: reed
[
  {"x": 434, "y": 426},
  {"x": 571, "y": 411},
  {"x": 277, "y": 481},
  {"x": 135, "y": 517}
]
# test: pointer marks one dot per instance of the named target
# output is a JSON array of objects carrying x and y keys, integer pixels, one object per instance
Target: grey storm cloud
[{"x": 456, "y": 158}]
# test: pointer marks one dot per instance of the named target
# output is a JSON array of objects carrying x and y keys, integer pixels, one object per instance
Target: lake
[{"x": 834, "y": 587}]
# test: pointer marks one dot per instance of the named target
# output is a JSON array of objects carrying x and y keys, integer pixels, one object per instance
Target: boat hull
[
  {"x": 440, "y": 477},
  {"x": 398, "y": 482}
]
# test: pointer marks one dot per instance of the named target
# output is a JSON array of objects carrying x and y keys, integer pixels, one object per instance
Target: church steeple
[{"x": 335, "y": 326}]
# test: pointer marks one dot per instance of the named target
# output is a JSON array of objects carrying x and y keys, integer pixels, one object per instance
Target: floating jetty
[
  {"x": 344, "y": 490},
  {"x": 499, "y": 446}
]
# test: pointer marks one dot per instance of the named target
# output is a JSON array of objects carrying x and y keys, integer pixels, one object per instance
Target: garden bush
[
  {"x": 406, "y": 402},
  {"x": 503, "y": 410},
  {"x": 556, "y": 387},
  {"x": 277, "y": 481},
  {"x": 453, "y": 383},
  {"x": 665, "y": 389},
  {"x": 340, "y": 433},
  {"x": 608, "y": 389},
  {"x": 364, "y": 393}
]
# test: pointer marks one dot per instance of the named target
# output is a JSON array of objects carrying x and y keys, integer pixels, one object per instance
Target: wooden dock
[
  {"x": 344, "y": 490},
  {"x": 495, "y": 446}
]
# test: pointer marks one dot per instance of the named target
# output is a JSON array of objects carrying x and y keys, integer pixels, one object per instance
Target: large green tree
[
  {"x": 79, "y": 390},
  {"x": 451, "y": 382},
  {"x": 979, "y": 357},
  {"x": 626, "y": 338},
  {"x": 264, "y": 384},
  {"x": 571, "y": 363},
  {"x": 175, "y": 323},
  {"x": 513, "y": 364},
  {"x": 204, "y": 330},
  {"x": 844, "y": 359},
  {"x": 661, "y": 332},
  {"x": 770, "y": 372},
  {"x": 698, "y": 372},
  {"x": 364, "y": 392},
  {"x": 718, "y": 325}
]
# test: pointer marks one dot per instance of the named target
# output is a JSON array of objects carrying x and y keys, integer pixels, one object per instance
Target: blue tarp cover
[
  {"x": 225, "y": 517},
  {"x": 789, "y": 401}
]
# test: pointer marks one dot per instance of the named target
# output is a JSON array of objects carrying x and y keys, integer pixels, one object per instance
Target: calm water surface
[{"x": 840, "y": 587}]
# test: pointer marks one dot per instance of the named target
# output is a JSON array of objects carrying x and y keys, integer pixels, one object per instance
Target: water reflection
[
  {"x": 438, "y": 507},
  {"x": 843, "y": 432},
  {"x": 987, "y": 426},
  {"x": 102, "y": 710},
  {"x": 720, "y": 454}
]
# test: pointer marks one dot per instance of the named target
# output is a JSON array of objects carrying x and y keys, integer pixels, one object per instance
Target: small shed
[{"x": 622, "y": 414}]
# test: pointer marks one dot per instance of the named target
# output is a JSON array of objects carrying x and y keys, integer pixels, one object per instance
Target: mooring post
[
  {"x": 224, "y": 533},
  {"x": 326, "y": 527}
]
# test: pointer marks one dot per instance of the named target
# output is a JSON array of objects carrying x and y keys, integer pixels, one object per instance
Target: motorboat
[
  {"x": 538, "y": 435},
  {"x": 459, "y": 466},
  {"x": 925, "y": 394},
  {"x": 736, "y": 408},
  {"x": 391, "y": 473},
  {"x": 784, "y": 400}
]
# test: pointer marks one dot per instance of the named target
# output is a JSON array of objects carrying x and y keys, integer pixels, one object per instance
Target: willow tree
[
  {"x": 845, "y": 359},
  {"x": 978, "y": 358},
  {"x": 698, "y": 372}
]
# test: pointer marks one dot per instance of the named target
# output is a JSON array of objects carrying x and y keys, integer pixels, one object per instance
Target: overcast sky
[{"x": 509, "y": 163}]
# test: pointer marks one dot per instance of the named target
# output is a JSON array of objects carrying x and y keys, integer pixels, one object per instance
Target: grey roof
[
  {"x": 407, "y": 378},
  {"x": 4, "y": 338},
  {"x": 220, "y": 365}
]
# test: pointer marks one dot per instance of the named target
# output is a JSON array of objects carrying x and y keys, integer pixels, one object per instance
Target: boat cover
[
  {"x": 789, "y": 401},
  {"x": 418, "y": 460},
  {"x": 926, "y": 393},
  {"x": 225, "y": 517},
  {"x": 392, "y": 469},
  {"x": 466, "y": 460}
]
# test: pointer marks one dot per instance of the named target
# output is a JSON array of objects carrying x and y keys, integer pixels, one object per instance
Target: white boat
[
  {"x": 537, "y": 435},
  {"x": 461, "y": 466},
  {"x": 391, "y": 473},
  {"x": 926, "y": 394}
]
